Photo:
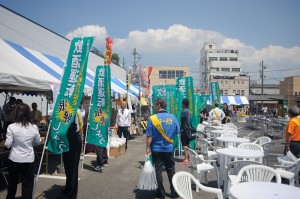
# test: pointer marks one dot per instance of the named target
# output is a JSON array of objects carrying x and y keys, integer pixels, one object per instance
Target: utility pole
[
  {"x": 263, "y": 67},
  {"x": 137, "y": 74}
]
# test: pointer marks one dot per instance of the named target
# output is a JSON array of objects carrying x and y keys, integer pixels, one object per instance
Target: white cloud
[
  {"x": 181, "y": 45},
  {"x": 97, "y": 31}
]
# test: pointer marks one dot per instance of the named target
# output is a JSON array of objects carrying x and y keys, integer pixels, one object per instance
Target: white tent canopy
[{"x": 23, "y": 69}]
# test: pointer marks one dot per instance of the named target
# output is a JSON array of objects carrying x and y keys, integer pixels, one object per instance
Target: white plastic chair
[
  {"x": 251, "y": 136},
  {"x": 251, "y": 146},
  {"x": 204, "y": 146},
  {"x": 257, "y": 173},
  {"x": 266, "y": 143},
  {"x": 202, "y": 166},
  {"x": 290, "y": 171},
  {"x": 182, "y": 184},
  {"x": 233, "y": 169},
  {"x": 262, "y": 140}
]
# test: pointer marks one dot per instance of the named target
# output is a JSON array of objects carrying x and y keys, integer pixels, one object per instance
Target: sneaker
[
  {"x": 189, "y": 162},
  {"x": 98, "y": 168},
  {"x": 106, "y": 165},
  {"x": 184, "y": 162}
]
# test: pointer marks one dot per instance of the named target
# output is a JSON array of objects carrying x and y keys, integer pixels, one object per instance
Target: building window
[
  {"x": 236, "y": 69},
  {"x": 225, "y": 69},
  {"x": 162, "y": 74},
  {"x": 242, "y": 82},
  {"x": 179, "y": 73},
  {"x": 233, "y": 82},
  {"x": 170, "y": 74},
  {"x": 238, "y": 82},
  {"x": 223, "y": 58},
  {"x": 225, "y": 92},
  {"x": 233, "y": 58},
  {"x": 233, "y": 92},
  {"x": 238, "y": 92},
  {"x": 242, "y": 92},
  {"x": 213, "y": 59}
]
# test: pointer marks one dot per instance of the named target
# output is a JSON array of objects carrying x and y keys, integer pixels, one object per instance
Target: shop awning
[{"x": 233, "y": 100}]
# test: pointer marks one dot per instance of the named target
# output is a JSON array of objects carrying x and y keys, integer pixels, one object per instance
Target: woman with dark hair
[
  {"x": 20, "y": 137},
  {"x": 228, "y": 114}
]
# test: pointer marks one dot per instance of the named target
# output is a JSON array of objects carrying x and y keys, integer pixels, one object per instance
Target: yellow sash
[
  {"x": 158, "y": 126},
  {"x": 216, "y": 113},
  {"x": 296, "y": 121}
]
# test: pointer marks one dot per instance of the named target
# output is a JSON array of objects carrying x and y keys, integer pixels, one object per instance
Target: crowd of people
[{"x": 22, "y": 133}]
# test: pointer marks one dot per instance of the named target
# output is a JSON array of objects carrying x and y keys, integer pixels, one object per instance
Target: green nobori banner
[
  {"x": 100, "y": 111},
  {"x": 200, "y": 103},
  {"x": 167, "y": 92},
  {"x": 185, "y": 85},
  {"x": 214, "y": 89},
  {"x": 70, "y": 93}
]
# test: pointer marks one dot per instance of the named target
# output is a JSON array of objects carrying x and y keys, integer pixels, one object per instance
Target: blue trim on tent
[
  {"x": 33, "y": 59},
  {"x": 60, "y": 63},
  {"x": 122, "y": 86}
]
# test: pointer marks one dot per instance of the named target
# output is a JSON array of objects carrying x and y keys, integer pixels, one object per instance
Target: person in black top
[
  {"x": 203, "y": 115},
  {"x": 228, "y": 114},
  {"x": 185, "y": 124}
]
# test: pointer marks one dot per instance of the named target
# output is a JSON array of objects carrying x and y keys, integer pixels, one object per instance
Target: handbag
[{"x": 191, "y": 133}]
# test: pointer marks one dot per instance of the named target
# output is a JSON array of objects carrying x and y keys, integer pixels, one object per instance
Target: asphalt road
[{"x": 120, "y": 178}]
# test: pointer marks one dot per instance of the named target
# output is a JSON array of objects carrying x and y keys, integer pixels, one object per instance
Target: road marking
[{"x": 54, "y": 177}]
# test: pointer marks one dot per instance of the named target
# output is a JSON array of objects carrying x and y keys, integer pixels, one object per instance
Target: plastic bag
[
  {"x": 288, "y": 159},
  {"x": 148, "y": 178}
]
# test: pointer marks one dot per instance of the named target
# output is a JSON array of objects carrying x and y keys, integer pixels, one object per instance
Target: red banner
[{"x": 108, "y": 52}]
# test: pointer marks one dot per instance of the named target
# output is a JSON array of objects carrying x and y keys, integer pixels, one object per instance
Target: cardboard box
[
  {"x": 122, "y": 149},
  {"x": 114, "y": 152}
]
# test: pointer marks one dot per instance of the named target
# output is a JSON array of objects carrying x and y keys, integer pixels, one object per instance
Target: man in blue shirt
[{"x": 160, "y": 144}]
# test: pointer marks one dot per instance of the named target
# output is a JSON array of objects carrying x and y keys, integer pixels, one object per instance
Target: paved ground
[{"x": 120, "y": 178}]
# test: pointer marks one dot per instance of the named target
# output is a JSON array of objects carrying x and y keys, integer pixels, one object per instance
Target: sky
[{"x": 172, "y": 33}]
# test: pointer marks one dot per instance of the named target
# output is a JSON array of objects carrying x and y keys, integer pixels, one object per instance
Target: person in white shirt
[
  {"x": 123, "y": 122},
  {"x": 216, "y": 115},
  {"x": 20, "y": 137}
]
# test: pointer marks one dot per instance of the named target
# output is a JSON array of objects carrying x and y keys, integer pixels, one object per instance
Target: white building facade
[{"x": 223, "y": 66}]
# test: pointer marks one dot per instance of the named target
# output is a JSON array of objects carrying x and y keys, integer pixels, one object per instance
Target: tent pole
[
  {"x": 86, "y": 133},
  {"x": 38, "y": 173}
]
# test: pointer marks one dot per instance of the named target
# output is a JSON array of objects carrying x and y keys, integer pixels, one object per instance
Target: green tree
[{"x": 115, "y": 58}]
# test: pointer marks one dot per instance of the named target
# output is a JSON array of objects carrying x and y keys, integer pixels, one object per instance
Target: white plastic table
[
  {"x": 225, "y": 155},
  {"x": 263, "y": 190},
  {"x": 235, "y": 140},
  {"x": 217, "y": 133}
]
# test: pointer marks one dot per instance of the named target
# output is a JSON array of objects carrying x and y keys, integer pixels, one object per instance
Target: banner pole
[
  {"x": 86, "y": 133},
  {"x": 38, "y": 173}
]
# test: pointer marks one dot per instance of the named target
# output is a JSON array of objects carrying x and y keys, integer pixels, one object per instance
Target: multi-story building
[
  {"x": 290, "y": 90},
  {"x": 223, "y": 66},
  {"x": 166, "y": 74}
]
